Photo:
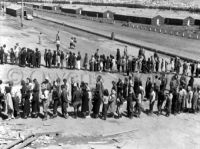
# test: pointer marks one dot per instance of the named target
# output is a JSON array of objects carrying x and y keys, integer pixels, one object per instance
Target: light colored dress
[{"x": 9, "y": 103}]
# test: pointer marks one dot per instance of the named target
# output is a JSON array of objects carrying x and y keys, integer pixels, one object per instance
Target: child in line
[{"x": 105, "y": 104}]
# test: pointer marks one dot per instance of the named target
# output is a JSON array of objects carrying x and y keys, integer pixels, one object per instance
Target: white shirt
[{"x": 153, "y": 95}]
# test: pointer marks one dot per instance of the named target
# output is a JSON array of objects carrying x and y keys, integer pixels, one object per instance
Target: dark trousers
[
  {"x": 175, "y": 103},
  {"x": 64, "y": 108},
  {"x": 159, "y": 106},
  {"x": 35, "y": 107},
  {"x": 168, "y": 107},
  {"x": 118, "y": 68},
  {"x": 104, "y": 110},
  {"x": 1, "y": 60},
  {"x": 97, "y": 104},
  {"x": 26, "y": 109},
  {"x": 49, "y": 63},
  {"x": 151, "y": 105},
  {"x": 16, "y": 106},
  {"x": 129, "y": 107},
  {"x": 138, "y": 108},
  {"x": 55, "y": 106},
  {"x": 179, "y": 106}
]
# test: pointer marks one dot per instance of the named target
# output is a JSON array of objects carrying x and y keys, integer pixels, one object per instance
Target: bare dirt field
[
  {"x": 167, "y": 43},
  {"x": 147, "y": 132}
]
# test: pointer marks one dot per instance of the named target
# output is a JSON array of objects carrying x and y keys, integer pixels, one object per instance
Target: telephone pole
[{"x": 22, "y": 14}]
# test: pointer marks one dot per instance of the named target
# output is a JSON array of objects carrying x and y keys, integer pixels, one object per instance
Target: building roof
[
  {"x": 14, "y": 7},
  {"x": 147, "y": 13}
]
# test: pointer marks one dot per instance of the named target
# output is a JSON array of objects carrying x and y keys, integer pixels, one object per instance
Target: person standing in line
[
  {"x": 98, "y": 96},
  {"x": 1, "y": 55},
  {"x": 85, "y": 62},
  {"x": 85, "y": 100},
  {"x": 76, "y": 100},
  {"x": 64, "y": 101},
  {"x": 152, "y": 101},
  {"x": 130, "y": 98},
  {"x": 35, "y": 101},
  {"x": 62, "y": 57},
  {"x": 45, "y": 97},
  {"x": 194, "y": 100},
  {"x": 169, "y": 103},
  {"x": 118, "y": 60},
  {"x": 9, "y": 103},
  {"x": 148, "y": 88},
  {"x": 55, "y": 99},
  {"x": 25, "y": 99},
  {"x": 78, "y": 61},
  {"x": 45, "y": 57},
  {"x": 58, "y": 58},
  {"x": 105, "y": 104},
  {"x": 49, "y": 59}
]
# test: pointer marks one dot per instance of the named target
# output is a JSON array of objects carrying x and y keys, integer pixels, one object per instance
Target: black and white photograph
[{"x": 99, "y": 74}]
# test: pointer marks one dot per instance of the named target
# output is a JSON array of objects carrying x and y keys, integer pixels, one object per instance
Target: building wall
[
  {"x": 157, "y": 21},
  {"x": 66, "y": 10},
  {"x": 11, "y": 12},
  {"x": 108, "y": 15},
  {"x": 189, "y": 21}
]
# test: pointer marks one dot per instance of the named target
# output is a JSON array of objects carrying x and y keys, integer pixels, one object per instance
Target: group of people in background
[
  {"x": 100, "y": 102},
  {"x": 122, "y": 62}
]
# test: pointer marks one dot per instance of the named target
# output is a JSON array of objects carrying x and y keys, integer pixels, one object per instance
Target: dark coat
[{"x": 85, "y": 101}]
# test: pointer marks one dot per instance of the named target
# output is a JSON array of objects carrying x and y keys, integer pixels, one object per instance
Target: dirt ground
[
  {"x": 171, "y": 44},
  {"x": 147, "y": 132}
]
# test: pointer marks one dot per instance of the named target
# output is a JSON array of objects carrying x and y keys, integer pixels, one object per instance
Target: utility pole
[{"x": 22, "y": 14}]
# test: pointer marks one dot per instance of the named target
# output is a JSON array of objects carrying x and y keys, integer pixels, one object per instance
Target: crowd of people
[
  {"x": 27, "y": 100},
  {"x": 182, "y": 96},
  {"x": 122, "y": 62}
]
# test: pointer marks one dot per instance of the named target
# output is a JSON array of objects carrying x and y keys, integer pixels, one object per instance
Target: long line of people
[
  {"x": 27, "y": 100},
  {"x": 98, "y": 62}
]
